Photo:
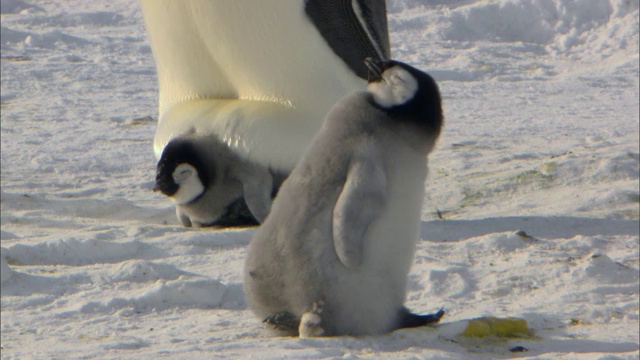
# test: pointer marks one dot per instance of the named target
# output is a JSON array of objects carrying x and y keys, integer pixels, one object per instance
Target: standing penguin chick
[
  {"x": 332, "y": 257},
  {"x": 212, "y": 186}
]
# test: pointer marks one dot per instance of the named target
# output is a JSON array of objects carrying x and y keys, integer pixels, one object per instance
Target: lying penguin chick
[
  {"x": 212, "y": 186},
  {"x": 333, "y": 256}
]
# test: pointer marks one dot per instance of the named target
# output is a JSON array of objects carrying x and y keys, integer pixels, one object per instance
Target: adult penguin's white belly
[{"x": 261, "y": 75}]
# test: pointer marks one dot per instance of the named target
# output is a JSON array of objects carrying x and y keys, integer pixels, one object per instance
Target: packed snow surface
[{"x": 531, "y": 210}]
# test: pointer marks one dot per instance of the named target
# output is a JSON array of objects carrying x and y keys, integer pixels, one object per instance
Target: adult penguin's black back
[{"x": 345, "y": 23}]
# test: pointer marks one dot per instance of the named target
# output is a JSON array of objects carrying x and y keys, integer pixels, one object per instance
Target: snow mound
[
  {"x": 538, "y": 22},
  {"x": 17, "y": 7},
  {"x": 5, "y": 270},
  {"x": 224, "y": 238},
  {"x": 6, "y": 235},
  {"x": 85, "y": 19},
  {"x": 77, "y": 252},
  {"x": 145, "y": 271},
  {"x": 179, "y": 293},
  {"x": 606, "y": 271},
  {"x": 514, "y": 40},
  {"x": 49, "y": 40}
]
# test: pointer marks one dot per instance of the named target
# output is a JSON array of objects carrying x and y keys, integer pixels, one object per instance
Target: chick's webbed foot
[
  {"x": 410, "y": 320},
  {"x": 283, "y": 321}
]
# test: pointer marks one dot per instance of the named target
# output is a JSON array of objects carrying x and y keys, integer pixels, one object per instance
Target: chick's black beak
[
  {"x": 168, "y": 188},
  {"x": 376, "y": 68}
]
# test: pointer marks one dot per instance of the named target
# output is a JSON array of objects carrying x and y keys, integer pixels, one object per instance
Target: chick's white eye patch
[
  {"x": 396, "y": 87},
  {"x": 189, "y": 184},
  {"x": 182, "y": 173}
]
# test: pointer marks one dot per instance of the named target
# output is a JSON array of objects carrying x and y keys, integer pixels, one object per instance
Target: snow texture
[{"x": 531, "y": 211}]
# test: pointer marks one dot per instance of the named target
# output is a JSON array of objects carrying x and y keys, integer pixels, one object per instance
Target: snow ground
[{"x": 541, "y": 135}]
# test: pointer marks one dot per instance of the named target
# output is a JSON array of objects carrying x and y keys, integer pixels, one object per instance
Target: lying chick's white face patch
[
  {"x": 396, "y": 87},
  {"x": 189, "y": 184}
]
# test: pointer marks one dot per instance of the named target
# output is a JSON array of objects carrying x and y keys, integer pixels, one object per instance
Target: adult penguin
[{"x": 259, "y": 75}]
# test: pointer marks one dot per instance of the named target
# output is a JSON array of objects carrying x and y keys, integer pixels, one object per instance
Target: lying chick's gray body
[{"x": 211, "y": 185}]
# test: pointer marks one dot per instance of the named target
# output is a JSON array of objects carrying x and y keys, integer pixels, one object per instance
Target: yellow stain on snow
[{"x": 500, "y": 327}]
